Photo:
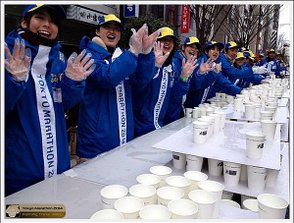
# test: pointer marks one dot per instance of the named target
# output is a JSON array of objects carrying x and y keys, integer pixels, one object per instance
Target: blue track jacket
[
  {"x": 27, "y": 159},
  {"x": 161, "y": 96},
  {"x": 106, "y": 117},
  {"x": 273, "y": 65}
]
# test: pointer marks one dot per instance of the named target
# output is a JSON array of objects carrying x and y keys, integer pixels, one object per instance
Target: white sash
[
  {"x": 45, "y": 111},
  {"x": 121, "y": 104},
  {"x": 205, "y": 95},
  {"x": 161, "y": 96},
  {"x": 236, "y": 81}
]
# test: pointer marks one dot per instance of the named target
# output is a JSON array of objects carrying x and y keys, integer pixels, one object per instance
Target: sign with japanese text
[{"x": 185, "y": 19}]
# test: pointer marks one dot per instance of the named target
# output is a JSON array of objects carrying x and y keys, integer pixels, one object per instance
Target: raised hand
[
  {"x": 149, "y": 41},
  {"x": 205, "y": 67},
  {"x": 158, "y": 52},
  {"x": 188, "y": 66},
  {"x": 136, "y": 40},
  {"x": 18, "y": 63},
  {"x": 79, "y": 68}
]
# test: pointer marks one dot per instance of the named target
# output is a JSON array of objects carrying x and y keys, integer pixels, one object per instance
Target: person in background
[
  {"x": 39, "y": 85},
  {"x": 271, "y": 63},
  {"x": 212, "y": 80},
  {"x": 283, "y": 68},
  {"x": 168, "y": 85},
  {"x": 106, "y": 114},
  {"x": 189, "y": 50},
  {"x": 227, "y": 59}
]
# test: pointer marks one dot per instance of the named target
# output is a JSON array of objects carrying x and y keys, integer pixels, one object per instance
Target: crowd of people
[{"x": 123, "y": 93}]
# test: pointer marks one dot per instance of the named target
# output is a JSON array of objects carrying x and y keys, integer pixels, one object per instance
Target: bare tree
[
  {"x": 206, "y": 16},
  {"x": 247, "y": 21}
]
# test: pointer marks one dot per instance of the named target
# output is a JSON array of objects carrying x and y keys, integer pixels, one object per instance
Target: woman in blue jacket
[
  {"x": 106, "y": 115},
  {"x": 206, "y": 85},
  {"x": 39, "y": 86},
  {"x": 151, "y": 102}
]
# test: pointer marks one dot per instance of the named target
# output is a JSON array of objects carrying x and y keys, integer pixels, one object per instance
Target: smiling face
[
  {"x": 190, "y": 50},
  {"x": 213, "y": 52},
  {"x": 168, "y": 44},
  {"x": 232, "y": 52},
  {"x": 41, "y": 23},
  {"x": 110, "y": 33}
]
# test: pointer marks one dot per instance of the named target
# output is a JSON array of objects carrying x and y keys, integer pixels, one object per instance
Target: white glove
[
  {"x": 136, "y": 40},
  {"x": 260, "y": 70},
  {"x": 149, "y": 41},
  {"x": 79, "y": 67},
  {"x": 18, "y": 64},
  {"x": 160, "y": 58}
]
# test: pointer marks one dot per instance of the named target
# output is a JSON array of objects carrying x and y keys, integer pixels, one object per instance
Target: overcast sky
[{"x": 284, "y": 21}]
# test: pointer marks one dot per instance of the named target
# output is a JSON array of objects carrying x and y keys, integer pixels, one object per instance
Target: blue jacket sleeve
[{"x": 226, "y": 85}]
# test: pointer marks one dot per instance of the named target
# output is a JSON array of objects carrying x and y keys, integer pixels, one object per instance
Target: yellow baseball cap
[
  {"x": 231, "y": 44},
  {"x": 166, "y": 31},
  {"x": 56, "y": 11},
  {"x": 240, "y": 55},
  {"x": 110, "y": 18}
]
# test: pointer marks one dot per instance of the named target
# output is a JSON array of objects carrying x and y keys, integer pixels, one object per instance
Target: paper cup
[
  {"x": 271, "y": 206},
  {"x": 195, "y": 177},
  {"x": 232, "y": 173},
  {"x": 155, "y": 212},
  {"x": 149, "y": 179},
  {"x": 271, "y": 178},
  {"x": 254, "y": 144},
  {"x": 250, "y": 111},
  {"x": 238, "y": 104},
  {"x": 179, "y": 160},
  {"x": 230, "y": 203},
  {"x": 196, "y": 113},
  {"x": 211, "y": 120},
  {"x": 256, "y": 178},
  {"x": 215, "y": 167},
  {"x": 222, "y": 114},
  {"x": 111, "y": 193},
  {"x": 217, "y": 122},
  {"x": 107, "y": 214},
  {"x": 206, "y": 202},
  {"x": 243, "y": 175},
  {"x": 161, "y": 171},
  {"x": 266, "y": 115},
  {"x": 145, "y": 192},
  {"x": 269, "y": 129},
  {"x": 180, "y": 182},
  {"x": 214, "y": 187},
  {"x": 251, "y": 204},
  {"x": 200, "y": 132},
  {"x": 194, "y": 162},
  {"x": 183, "y": 209},
  {"x": 129, "y": 206},
  {"x": 244, "y": 197},
  {"x": 168, "y": 193},
  {"x": 188, "y": 112}
]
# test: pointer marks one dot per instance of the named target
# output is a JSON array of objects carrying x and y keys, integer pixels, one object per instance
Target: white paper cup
[
  {"x": 266, "y": 115},
  {"x": 155, "y": 212},
  {"x": 168, "y": 193},
  {"x": 194, "y": 162},
  {"x": 149, "y": 179},
  {"x": 244, "y": 197},
  {"x": 202, "y": 110},
  {"x": 111, "y": 193},
  {"x": 251, "y": 204},
  {"x": 200, "y": 132},
  {"x": 271, "y": 178},
  {"x": 230, "y": 203},
  {"x": 129, "y": 206},
  {"x": 145, "y": 192},
  {"x": 271, "y": 206},
  {"x": 223, "y": 118},
  {"x": 215, "y": 167},
  {"x": 107, "y": 214},
  {"x": 256, "y": 178},
  {"x": 196, "y": 113},
  {"x": 161, "y": 171},
  {"x": 238, "y": 104},
  {"x": 269, "y": 129},
  {"x": 211, "y": 120},
  {"x": 243, "y": 175},
  {"x": 188, "y": 112},
  {"x": 180, "y": 182},
  {"x": 232, "y": 173},
  {"x": 217, "y": 122},
  {"x": 195, "y": 177},
  {"x": 206, "y": 202},
  {"x": 254, "y": 144},
  {"x": 250, "y": 111},
  {"x": 257, "y": 111},
  {"x": 214, "y": 187},
  {"x": 183, "y": 209},
  {"x": 179, "y": 160}
]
